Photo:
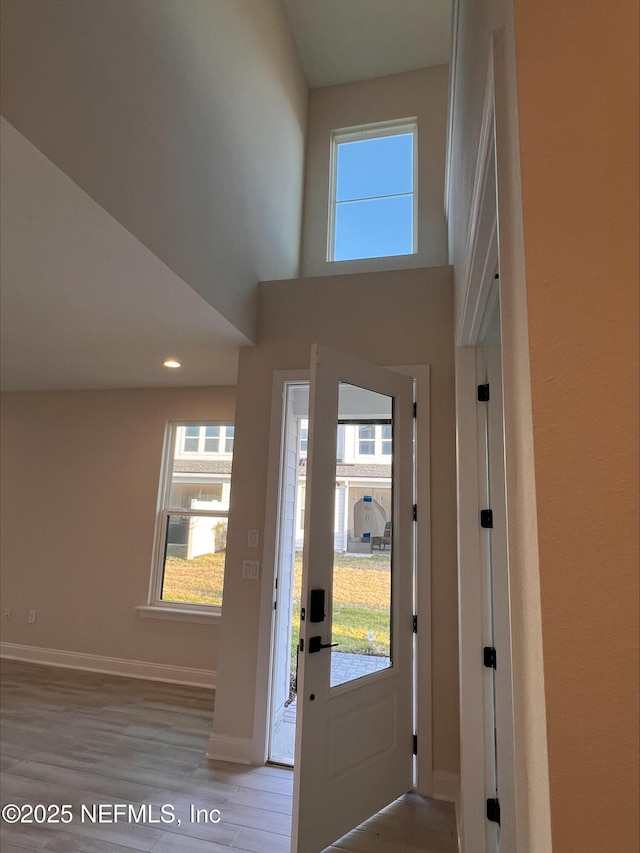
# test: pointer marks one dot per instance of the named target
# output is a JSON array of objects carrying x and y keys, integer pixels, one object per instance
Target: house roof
[
  {"x": 202, "y": 466},
  {"x": 355, "y": 470}
]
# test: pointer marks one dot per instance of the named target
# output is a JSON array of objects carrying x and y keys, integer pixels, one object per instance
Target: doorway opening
[{"x": 362, "y": 545}]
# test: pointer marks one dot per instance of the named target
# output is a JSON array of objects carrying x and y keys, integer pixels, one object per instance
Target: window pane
[
  {"x": 194, "y": 559},
  {"x": 184, "y": 494},
  {"x": 386, "y": 440},
  {"x": 374, "y": 167},
  {"x": 228, "y": 443},
  {"x": 190, "y": 568},
  {"x": 374, "y": 229},
  {"x": 361, "y": 589},
  {"x": 366, "y": 441}
]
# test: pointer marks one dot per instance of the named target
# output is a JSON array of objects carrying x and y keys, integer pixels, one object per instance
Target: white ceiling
[
  {"x": 340, "y": 41},
  {"x": 85, "y": 304}
]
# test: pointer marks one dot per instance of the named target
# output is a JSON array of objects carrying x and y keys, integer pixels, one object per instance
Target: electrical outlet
[
  {"x": 31, "y": 617},
  {"x": 250, "y": 569},
  {"x": 7, "y": 613}
]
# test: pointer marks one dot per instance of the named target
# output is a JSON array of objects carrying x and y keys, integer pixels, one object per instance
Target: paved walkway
[{"x": 346, "y": 666}]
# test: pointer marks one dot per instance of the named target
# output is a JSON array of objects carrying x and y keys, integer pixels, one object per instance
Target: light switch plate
[{"x": 252, "y": 538}]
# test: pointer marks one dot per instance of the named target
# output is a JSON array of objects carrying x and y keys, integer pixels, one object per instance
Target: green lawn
[
  {"x": 198, "y": 580},
  {"x": 361, "y": 596}
]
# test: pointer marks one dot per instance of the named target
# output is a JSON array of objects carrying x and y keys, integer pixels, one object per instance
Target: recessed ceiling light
[{"x": 172, "y": 363}]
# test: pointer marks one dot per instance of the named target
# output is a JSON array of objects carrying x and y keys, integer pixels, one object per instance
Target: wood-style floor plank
[{"x": 88, "y": 738}]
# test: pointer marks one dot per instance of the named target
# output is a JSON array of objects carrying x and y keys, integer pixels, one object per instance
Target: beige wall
[
  {"x": 80, "y": 477},
  {"x": 184, "y": 119},
  {"x": 422, "y": 94},
  {"x": 389, "y": 318},
  {"x": 577, "y": 69}
]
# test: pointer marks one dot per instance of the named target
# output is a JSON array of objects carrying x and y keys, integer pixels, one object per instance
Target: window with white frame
[
  {"x": 374, "y": 440},
  {"x": 366, "y": 440},
  {"x": 191, "y": 532},
  {"x": 372, "y": 203},
  {"x": 198, "y": 439}
]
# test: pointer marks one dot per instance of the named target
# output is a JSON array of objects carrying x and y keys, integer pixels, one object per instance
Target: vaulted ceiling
[{"x": 152, "y": 164}]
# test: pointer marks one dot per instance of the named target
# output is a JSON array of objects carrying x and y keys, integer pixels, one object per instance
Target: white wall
[
  {"x": 184, "y": 120},
  {"x": 421, "y": 94},
  {"x": 417, "y": 329},
  {"x": 80, "y": 479}
]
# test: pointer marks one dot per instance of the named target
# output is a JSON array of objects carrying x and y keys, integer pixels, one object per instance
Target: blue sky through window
[{"x": 374, "y": 197}]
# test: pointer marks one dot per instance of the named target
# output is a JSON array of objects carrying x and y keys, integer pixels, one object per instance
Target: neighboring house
[
  {"x": 363, "y": 472},
  {"x": 201, "y": 480}
]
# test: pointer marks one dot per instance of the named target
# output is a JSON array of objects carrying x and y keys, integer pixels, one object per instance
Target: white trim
[
  {"x": 477, "y": 771},
  {"x": 470, "y": 609},
  {"x": 455, "y": 16},
  {"x": 269, "y": 554},
  {"x": 112, "y": 666},
  {"x": 482, "y": 251},
  {"x": 179, "y": 614},
  {"x": 238, "y": 750},
  {"x": 265, "y": 631},
  {"x": 532, "y": 795},
  {"x": 522, "y": 758},
  {"x": 375, "y": 130},
  {"x": 164, "y": 509},
  {"x": 446, "y": 786},
  {"x": 421, "y": 373}
]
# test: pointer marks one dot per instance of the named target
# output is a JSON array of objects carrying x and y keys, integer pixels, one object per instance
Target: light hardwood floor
[{"x": 80, "y": 738}]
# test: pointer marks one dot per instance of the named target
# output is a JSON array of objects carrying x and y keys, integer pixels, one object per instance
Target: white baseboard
[
  {"x": 112, "y": 666},
  {"x": 238, "y": 750},
  {"x": 446, "y": 786}
]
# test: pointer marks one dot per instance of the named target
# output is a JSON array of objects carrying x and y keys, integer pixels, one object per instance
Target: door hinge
[
  {"x": 415, "y": 744},
  {"x": 415, "y": 410},
  {"x": 483, "y": 393},
  {"x": 489, "y": 657},
  {"x": 486, "y": 518},
  {"x": 415, "y": 624},
  {"x": 415, "y": 512},
  {"x": 493, "y": 810}
]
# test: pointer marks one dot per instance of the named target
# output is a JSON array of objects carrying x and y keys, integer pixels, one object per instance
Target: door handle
[{"x": 316, "y": 644}]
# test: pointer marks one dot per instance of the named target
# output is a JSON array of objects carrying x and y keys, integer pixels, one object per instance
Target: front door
[{"x": 354, "y": 732}]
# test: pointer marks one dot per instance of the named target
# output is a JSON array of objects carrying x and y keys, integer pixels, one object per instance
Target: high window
[
  {"x": 191, "y": 536},
  {"x": 372, "y": 199}
]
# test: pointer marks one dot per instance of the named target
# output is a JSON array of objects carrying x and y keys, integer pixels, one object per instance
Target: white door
[{"x": 354, "y": 740}]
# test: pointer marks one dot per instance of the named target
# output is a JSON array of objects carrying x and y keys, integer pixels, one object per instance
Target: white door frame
[
  {"x": 423, "y": 698},
  {"x": 261, "y": 717},
  {"x": 479, "y": 296},
  {"x": 496, "y": 239}
]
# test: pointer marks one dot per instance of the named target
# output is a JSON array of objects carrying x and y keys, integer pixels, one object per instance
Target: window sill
[{"x": 178, "y": 614}]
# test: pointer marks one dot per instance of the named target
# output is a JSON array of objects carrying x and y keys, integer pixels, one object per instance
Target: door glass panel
[{"x": 363, "y": 557}]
